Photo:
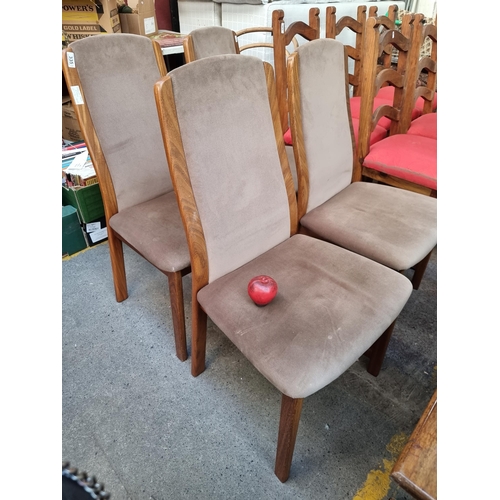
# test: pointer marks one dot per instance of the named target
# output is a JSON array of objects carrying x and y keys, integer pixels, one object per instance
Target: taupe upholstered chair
[
  {"x": 395, "y": 227},
  {"x": 111, "y": 80},
  {"x": 229, "y": 168},
  {"x": 210, "y": 41}
]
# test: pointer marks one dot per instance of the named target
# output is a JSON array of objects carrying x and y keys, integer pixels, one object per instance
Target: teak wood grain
[
  {"x": 416, "y": 468},
  {"x": 282, "y": 38}
]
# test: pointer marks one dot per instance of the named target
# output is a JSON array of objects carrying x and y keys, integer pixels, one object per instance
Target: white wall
[{"x": 425, "y": 7}]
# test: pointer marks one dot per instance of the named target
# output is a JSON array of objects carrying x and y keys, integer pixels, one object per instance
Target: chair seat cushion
[
  {"x": 395, "y": 227},
  {"x": 388, "y": 94},
  {"x": 425, "y": 125},
  {"x": 154, "y": 229},
  {"x": 409, "y": 157},
  {"x": 331, "y": 306}
]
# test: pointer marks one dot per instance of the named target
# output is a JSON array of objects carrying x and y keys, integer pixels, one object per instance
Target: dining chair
[
  {"x": 234, "y": 187},
  {"x": 402, "y": 160},
  {"x": 394, "y": 227},
  {"x": 111, "y": 79},
  {"x": 209, "y": 41}
]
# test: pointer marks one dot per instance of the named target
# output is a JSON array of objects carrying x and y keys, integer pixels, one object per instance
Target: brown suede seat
[
  {"x": 392, "y": 226},
  {"x": 111, "y": 79},
  {"x": 155, "y": 230},
  {"x": 395, "y": 227},
  {"x": 226, "y": 154},
  {"x": 330, "y": 308}
]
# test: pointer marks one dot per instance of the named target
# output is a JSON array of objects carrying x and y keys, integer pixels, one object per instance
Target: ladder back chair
[
  {"x": 402, "y": 160},
  {"x": 426, "y": 90},
  {"x": 111, "y": 80},
  {"x": 233, "y": 183}
]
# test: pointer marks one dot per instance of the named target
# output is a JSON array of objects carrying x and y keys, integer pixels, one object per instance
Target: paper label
[
  {"x": 149, "y": 25},
  {"x": 93, "y": 226},
  {"x": 77, "y": 95},
  {"x": 99, "y": 235},
  {"x": 71, "y": 59},
  {"x": 79, "y": 160}
]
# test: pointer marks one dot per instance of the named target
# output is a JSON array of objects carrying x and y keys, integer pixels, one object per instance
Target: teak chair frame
[
  {"x": 290, "y": 407},
  {"x": 115, "y": 241},
  {"x": 334, "y": 28},
  {"x": 281, "y": 39}
]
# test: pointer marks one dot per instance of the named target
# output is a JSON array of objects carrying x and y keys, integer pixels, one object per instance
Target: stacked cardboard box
[
  {"x": 142, "y": 21},
  {"x": 83, "y": 18},
  {"x": 70, "y": 127}
]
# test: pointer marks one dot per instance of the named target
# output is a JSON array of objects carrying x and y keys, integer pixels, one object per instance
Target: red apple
[{"x": 262, "y": 289}]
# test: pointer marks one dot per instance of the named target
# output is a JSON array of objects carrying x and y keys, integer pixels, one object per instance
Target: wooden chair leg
[
  {"x": 198, "y": 338},
  {"x": 419, "y": 271},
  {"x": 377, "y": 351},
  {"x": 178, "y": 319},
  {"x": 289, "y": 424},
  {"x": 117, "y": 266}
]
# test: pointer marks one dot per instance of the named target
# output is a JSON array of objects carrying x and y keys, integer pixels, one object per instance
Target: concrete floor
[{"x": 134, "y": 416}]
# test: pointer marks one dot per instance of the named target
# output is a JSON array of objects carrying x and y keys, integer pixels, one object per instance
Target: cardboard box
[
  {"x": 83, "y": 18},
  {"x": 87, "y": 200},
  {"x": 70, "y": 127},
  {"x": 96, "y": 231},
  {"x": 73, "y": 240},
  {"x": 142, "y": 23}
]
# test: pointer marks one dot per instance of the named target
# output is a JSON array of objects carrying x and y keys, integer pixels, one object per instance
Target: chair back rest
[
  {"x": 427, "y": 67},
  {"x": 382, "y": 36},
  {"x": 111, "y": 80},
  {"x": 281, "y": 39},
  {"x": 320, "y": 121},
  {"x": 227, "y": 160},
  {"x": 209, "y": 41},
  {"x": 348, "y": 25}
]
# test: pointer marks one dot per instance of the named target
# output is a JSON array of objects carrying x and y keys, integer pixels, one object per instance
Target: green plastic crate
[
  {"x": 87, "y": 200},
  {"x": 73, "y": 239}
]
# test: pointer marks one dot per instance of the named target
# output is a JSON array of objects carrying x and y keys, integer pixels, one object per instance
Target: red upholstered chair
[
  {"x": 111, "y": 79},
  {"x": 426, "y": 125},
  {"x": 403, "y": 160},
  {"x": 230, "y": 171}
]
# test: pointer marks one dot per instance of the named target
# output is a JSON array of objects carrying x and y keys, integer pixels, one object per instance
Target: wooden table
[{"x": 416, "y": 468}]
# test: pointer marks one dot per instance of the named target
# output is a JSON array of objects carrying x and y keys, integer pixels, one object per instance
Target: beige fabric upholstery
[
  {"x": 331, "y": 306},
  {"x": 395, "y": 227},
  {"x": 118, "y": 74},
  {"x": 212, "y": 41},
  {"x": 154, "y": 229},
  {"x": 327, "y": 135},
  {"x": 230, "y": 146}
]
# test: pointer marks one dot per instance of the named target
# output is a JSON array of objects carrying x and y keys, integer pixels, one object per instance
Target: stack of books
[
  {"x": 168, "y": 39},
  {"x": 77, "y": 167}
]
